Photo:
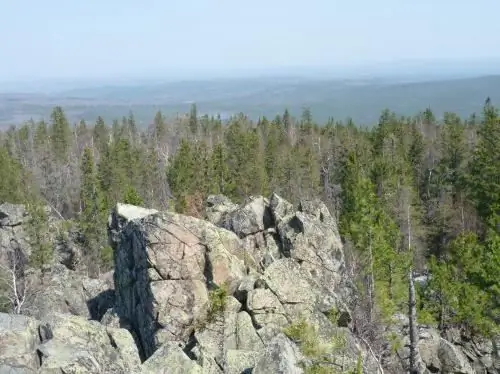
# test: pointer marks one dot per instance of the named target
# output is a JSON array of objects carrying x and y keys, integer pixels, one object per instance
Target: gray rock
[
  {"x": 246, "y": 336},
  {"x": 218, "y": 206},
  {"x": 280, "y": 357},
  {"x": 266, "y": 309},
  {"x": 61, "y": 290},
  {"x": 18, "y": 341},
  {"x": 12, "y": 214},
  {"x": 280, "y": 208},
  {"x": 452, "y": 359},
  {"x": 251, "y": 217},
  {"x": 170, "y": 359},
  {"x": 186, "y": 254},
  {"x": 240, "y": 361},
  {"x": 78, "y": 345}
]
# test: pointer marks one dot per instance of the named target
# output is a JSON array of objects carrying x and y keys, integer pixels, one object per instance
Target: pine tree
[
  {"x": 160, "y": 129},
  {"x": 375, "y": 236},
  {"x": 483, "y": 178},
  {"x": 42, "y": 250},
  {"x": 132, "y": 197},
  {"x": 11, "y": 178},
  {"x": 180, "y": 174},
  {"x": 100, "y": 135},
  {"x": 131, "y": 128},
  {"x": 193, "y": 119},
  {"x": 466, "y": 285},
  {"x": 60, "y": 134},
  {"x": 93, "y": 215},
  {"x": 219, "y": 172}
]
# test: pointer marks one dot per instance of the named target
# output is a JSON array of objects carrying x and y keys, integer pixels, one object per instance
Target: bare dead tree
[
  {"x": 13, "y": 276},
  {"x": 412, "y": 310}
]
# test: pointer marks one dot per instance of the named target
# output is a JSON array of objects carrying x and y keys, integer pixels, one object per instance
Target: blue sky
[{"x": 42, "y": 39}]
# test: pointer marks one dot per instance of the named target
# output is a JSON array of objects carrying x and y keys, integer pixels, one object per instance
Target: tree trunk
[
  {"x": 413, "y": 325},
  {"x": 371, "y": 288}
]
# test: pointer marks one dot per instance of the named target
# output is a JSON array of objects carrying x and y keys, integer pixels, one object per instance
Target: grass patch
[
  {"x": 321, "y": 357},
  {"x": 217, "y": 299}
]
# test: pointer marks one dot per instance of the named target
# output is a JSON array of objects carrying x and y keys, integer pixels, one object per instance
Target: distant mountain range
[{"x": 361, "y": 99}]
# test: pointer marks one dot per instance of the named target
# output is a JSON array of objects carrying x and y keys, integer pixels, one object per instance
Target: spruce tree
[
  {"x": 92, "y": 220},
  {"x": 60, "y": 134},
  {"x": 483, "y": 178}
]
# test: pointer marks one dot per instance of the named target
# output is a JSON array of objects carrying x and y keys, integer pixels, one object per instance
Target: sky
[{"x": 94, "y": 39}]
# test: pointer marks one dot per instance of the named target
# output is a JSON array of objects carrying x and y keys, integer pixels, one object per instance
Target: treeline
[{"x": 411, "y": 192}]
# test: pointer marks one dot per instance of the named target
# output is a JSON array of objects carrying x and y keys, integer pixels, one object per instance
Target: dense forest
[{"x": 411, "y": 194}]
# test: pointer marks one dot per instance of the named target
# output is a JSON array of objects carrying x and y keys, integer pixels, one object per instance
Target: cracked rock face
[
  {"x": 277, "y": 263},
  {"x": 165, "y": 264},
  {"x": 64, "y": 344},
  {"x": 12, "y": 233}
]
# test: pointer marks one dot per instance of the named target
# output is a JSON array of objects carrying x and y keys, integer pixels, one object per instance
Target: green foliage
[
  {"x": 92, "y": 220},
  {"x": 323, "y": 357},
  {"x": 42, "y": 250},
  {"x": 106, "y": 256},
  {"x": 217, "y": 302},
  {"x": 463, "y": 286},
  {"x": 374, "y": 235},
  {"x": 416, "y": 191},
  {"x": 5, "y": 304},
  {"x": 60, "y": 134},
  {"x": 11, "y": 178},
  {"x": 132, "y": 197},
  {"x": 483, "y": 180},
  {"x": 193, "y": 119},
  {"x": 395, "y": 341}
]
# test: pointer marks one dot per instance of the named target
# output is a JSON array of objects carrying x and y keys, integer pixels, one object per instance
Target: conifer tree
[
  {"x": 193, "y": 119},
  {"x": 39, "y": 235},
  {"x": 483, "y": 178},
  {"x": 93, "y": 215},
  {"x": 10, "y": 178},
  {"x": 60, "y": 134},
  {"x": 132, "y": 197}
]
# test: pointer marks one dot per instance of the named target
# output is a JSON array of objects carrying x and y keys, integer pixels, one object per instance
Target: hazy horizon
[
  {"x": 399, "y": 71},
  {"x": 100, "y": 42}
]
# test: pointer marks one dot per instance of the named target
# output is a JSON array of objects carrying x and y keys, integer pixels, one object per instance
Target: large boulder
[{"x": 165, "y": 264}]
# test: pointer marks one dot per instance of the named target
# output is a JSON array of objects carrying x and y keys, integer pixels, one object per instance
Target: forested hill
[
  {"x": 411, "y": 192},
  {"x": 360, "y": 99}
]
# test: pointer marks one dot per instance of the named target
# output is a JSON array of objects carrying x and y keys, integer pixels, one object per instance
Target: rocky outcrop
[
  {"x": 60, "y": 290},
  {"x": 14, "y": 236},
  {"x": 228, "y": 294},
  {"x": 271, "y": 264},
  {"x": 64, "y": 344},
  {"x": 61, "y": 286},
  {"x": 451, "y": 353}
]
